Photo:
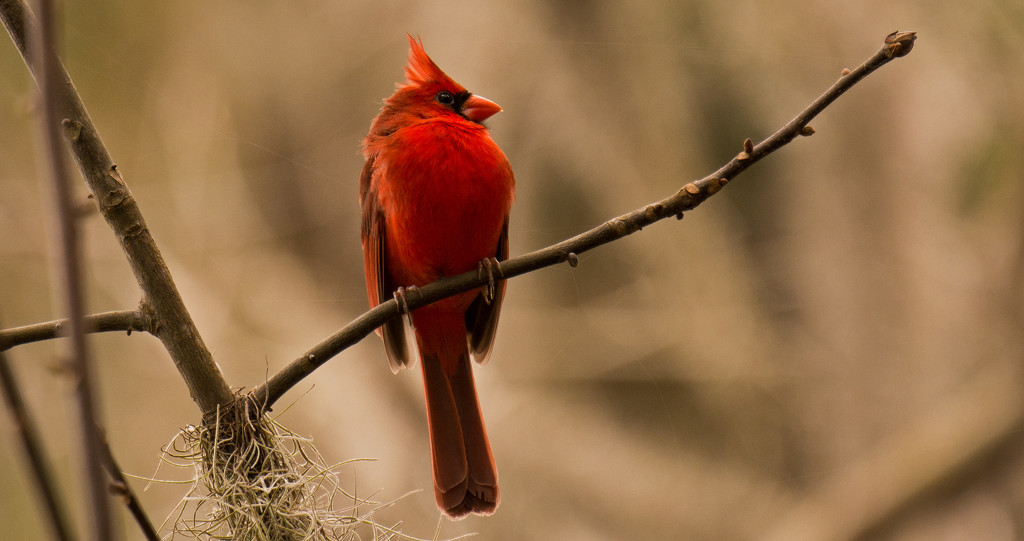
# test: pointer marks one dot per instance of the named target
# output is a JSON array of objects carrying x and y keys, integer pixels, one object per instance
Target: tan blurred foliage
[{"x": 840, "y": 323}]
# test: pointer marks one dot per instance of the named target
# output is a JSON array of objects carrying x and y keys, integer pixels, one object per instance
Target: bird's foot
[
  {"x": 403, "y": 303},
  {"x": 488, "y": 266}
]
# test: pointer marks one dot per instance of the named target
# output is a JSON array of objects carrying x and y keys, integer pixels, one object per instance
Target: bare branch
[
  {"x": 688, "y": 197},
  {"x": 52, "y": 155},
  {"x": 176, "y": 329},
  {"x": 123, "y": 320},
  {"x": 30, "y": 441},
  {"x": 120, "y": 487}
]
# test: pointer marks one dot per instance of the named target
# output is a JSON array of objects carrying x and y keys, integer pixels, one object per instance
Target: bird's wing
[
  {"x": 482, "y": 316},
  {"x": 379, "y": 286}
]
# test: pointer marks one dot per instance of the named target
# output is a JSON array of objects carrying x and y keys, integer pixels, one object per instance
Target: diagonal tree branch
[
  {"x": 190, "y": 354},
  {"x": 120, "y": 487},
  {"x": 166, "y": 317},
  {"x": 176, "y": 329},
  {"x": 32, "y": 444},
  {"x": 122, "y": 320},
  {"x": 688, "y": 197}
]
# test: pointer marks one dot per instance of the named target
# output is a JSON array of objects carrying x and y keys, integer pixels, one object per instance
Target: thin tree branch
[
  {"x": 176, "y": 329},
  {"x": 122, "y": 320},
  {"x": 120, "y": 487},
  {"x": 45, "y": 46},
  {"x": 688, "y": 197},
  {"x": 30, "y": 442}
]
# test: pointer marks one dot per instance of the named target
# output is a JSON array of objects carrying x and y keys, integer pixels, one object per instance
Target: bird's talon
[
  {"x": 488, "y": 266},
  {"x": 403, "y": 302}
]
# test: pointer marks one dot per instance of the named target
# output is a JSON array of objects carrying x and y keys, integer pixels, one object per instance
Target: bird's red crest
[{"x": 421, "y": 70}]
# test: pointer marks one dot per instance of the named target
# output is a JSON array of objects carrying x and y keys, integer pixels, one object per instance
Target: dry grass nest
[{"x": 256, "y": 480}]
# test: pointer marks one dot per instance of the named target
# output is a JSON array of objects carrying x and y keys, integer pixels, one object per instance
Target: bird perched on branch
[{"x": 435, "y": 195}]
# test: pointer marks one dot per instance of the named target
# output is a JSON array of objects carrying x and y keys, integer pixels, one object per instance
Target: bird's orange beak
[{"x": 479, "y": 108}]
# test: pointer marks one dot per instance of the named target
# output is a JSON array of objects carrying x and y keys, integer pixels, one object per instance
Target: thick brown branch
[
  {"x": 897, "y": 44},
  {"x": 177, "y": 331},
  {"x": 124, "y": 320}
]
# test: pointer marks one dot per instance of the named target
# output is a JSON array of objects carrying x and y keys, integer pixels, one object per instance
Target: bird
[{"x": 435, "y": 195}]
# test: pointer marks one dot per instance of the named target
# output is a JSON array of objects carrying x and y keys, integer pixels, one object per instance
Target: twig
[
  {"x": 66, "y": 218},
  {"x": 122, "y": 320},
  {"x": 177, "y": 331},
  {"x": 691, "y": 195},
  {"x": 30, "y": 441},
  {"x": 120, "y": 487},
  {"x": 34, "y": 452}
]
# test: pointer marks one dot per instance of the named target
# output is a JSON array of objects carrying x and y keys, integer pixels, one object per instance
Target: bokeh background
[{"x": 829, "y": 348}]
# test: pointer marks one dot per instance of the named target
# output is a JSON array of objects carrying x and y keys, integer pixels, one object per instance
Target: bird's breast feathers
[{"x": 449, "y": 189}]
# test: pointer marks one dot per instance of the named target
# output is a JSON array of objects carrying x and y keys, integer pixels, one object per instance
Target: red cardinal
[{"x": 435, "y": 195}]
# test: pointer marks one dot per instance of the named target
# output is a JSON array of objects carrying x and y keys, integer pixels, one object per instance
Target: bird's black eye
[{"x": 445, "y": 98}]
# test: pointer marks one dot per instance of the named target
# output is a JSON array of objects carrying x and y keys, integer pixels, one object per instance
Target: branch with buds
[
  {"x": 164, "y": 310},
  {"x": 688, "y": 197},
  {"x": 163, "y": 314}
]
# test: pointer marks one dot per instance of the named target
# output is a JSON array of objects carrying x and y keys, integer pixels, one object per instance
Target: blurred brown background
[{"x": 831, "y": 344}]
